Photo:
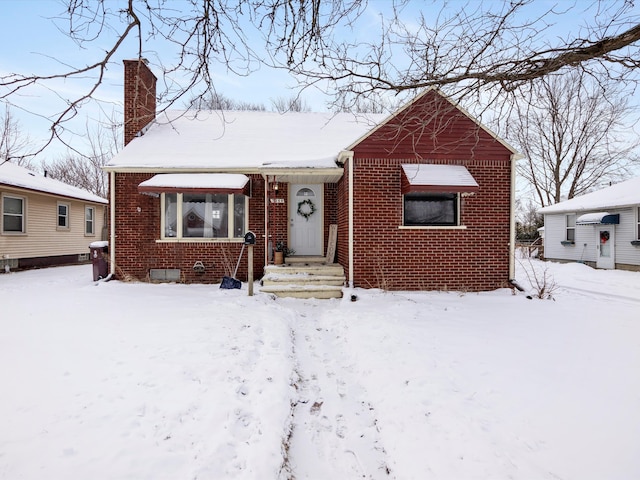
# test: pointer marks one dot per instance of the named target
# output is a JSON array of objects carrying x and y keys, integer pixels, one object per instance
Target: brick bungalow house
[{"x": 422, "y": 199}]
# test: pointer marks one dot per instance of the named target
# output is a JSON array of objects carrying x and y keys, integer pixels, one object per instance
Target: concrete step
[
  {"x": 309, "y": 259},
  {"x": 303, "y": 291},
  {"x": 332, "y": 269},
  {"x": 304, "y": 280}
]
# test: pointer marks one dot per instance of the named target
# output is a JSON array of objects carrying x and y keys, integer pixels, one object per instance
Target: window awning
[
  {"x": 598, "y": 218},
  {"x": 196, "y": 183},
  {"x": 437, "y": 178}
]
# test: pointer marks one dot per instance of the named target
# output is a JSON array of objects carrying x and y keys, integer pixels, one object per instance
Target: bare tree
[
  {"x": 218, "y": 101},
  {"x": 85, "y": 170},
  {"x": 291, "y": 104},
  {"x": 13, "y": 142},
  {"x": 528, "y": 220},
  {"x": 469, "y": 46},
  {"x": 571, "y": 131}
]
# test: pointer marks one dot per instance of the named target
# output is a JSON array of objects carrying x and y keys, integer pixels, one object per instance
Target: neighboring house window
[
  {"x": 89, "y": 220},
  {"x": 13, "y": 214},
  {"x": 638, "y": 223},
  {"x": 431, "y": 209},
  {"x": 63, "y": 216},
  {"x": 570, "y": 235},
  {"x": 204, "y": 215}
]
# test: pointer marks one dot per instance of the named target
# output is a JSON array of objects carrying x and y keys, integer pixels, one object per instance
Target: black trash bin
[{"x": 98, "y": 252}]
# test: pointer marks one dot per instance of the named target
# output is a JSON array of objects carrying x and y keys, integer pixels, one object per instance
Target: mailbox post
[{"x": 250, "y": 240}]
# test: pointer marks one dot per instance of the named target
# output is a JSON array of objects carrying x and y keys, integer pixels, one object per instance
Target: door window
[{"x": 605, "y": 243}]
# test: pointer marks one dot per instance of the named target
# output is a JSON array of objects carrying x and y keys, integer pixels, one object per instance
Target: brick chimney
[{"x": 139, "y": 97}]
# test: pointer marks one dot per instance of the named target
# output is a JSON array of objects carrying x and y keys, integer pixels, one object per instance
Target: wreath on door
[
  {"x": 604, "y": 237},
  {"x": 306, "y": 208}
]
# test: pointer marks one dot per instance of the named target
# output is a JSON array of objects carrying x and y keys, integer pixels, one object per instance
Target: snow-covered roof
[
  {"x": 17, "y": 176},
  {"x": 432, "y": 176},
  {"x": 197, "y": 180},
  {"x": 620, "y": 195},
  {"x": 243, "y": 140}
]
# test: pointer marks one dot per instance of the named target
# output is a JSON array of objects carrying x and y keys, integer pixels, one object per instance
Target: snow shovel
[{"x": 232, "y": 282}]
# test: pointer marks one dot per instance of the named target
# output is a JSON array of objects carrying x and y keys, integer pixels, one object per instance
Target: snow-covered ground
[{"x": 135, "y": 381}]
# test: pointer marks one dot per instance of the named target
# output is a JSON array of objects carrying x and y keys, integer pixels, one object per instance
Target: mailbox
[{"x": 249, "y": 238}]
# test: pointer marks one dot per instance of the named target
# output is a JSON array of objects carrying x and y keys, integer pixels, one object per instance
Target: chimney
[{"x": 139, "y": 97}]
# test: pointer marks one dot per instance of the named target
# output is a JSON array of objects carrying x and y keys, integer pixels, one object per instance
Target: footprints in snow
[{"x": 332, "y": 415}]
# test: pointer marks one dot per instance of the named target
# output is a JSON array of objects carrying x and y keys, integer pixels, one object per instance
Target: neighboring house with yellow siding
[{"x": 45, "y": 221}]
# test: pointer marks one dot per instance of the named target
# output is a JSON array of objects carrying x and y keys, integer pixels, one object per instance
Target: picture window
[
  {"x": 204, "y": 215},
  {"x": 431, "y": 209}
]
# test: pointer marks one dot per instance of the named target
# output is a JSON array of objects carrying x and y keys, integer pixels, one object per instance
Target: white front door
[
  {"x": 306, "y": 211},
  {"x": 605, "y": 240}
]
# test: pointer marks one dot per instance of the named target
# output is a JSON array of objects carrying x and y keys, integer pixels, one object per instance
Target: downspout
[
  {"x": 112, "y": 221},
  {"x": 350, "y": 159},
  {"x": 512, "y": 221},
  {"x": 266, "y": 219}
]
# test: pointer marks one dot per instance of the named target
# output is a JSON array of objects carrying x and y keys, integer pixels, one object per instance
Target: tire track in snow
[
  {"x": 593, "y": 293},
  {"x": 334, "y": 432}
]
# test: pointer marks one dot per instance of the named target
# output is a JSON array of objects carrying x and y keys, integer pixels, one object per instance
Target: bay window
[{"x": 204, "y": 215}]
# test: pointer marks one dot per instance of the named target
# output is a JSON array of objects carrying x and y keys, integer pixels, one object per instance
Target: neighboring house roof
[
  {"x": 620, "y": 195},
  {"x": 20, "y": 177},
  {"x": 243, "y": 140}
]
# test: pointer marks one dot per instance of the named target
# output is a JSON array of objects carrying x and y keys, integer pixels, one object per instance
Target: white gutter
[{"x": 112, "y": 215}]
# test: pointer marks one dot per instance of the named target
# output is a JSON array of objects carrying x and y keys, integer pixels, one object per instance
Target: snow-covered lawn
[{"x": 135, "y": 381}]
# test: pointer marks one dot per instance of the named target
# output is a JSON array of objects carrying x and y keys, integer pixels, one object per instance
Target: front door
[
  {"x": 306, "y": 211},
  {"x": 606, "y": 251}
]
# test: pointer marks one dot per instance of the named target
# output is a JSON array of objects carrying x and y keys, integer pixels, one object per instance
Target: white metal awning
[
  {"x": 196, "y": 183},
  {"x": 437, "y": 178}
]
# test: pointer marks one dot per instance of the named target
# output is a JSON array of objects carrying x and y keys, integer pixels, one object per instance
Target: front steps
[{"x": 304, "y": 277}]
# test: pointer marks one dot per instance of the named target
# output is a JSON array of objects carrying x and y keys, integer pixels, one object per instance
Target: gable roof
[
  {"x": 16, "y": 176},
  {"x": 242, "y": 140},
  {"x": 425, "y": 111},
  {"x": 620, "y": 195}
]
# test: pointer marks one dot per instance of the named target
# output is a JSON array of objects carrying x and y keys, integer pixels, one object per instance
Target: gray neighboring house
[{"x": 600, "y": 229}]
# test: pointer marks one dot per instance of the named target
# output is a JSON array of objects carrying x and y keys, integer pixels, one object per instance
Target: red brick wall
[
  {"x": 472, "y": 259},
  {"x": 139, "y": 97},
  {"x": 138, "y": 228},
  {"x": 278, "y": 215},
  {"x": 330, "y": 212}
]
